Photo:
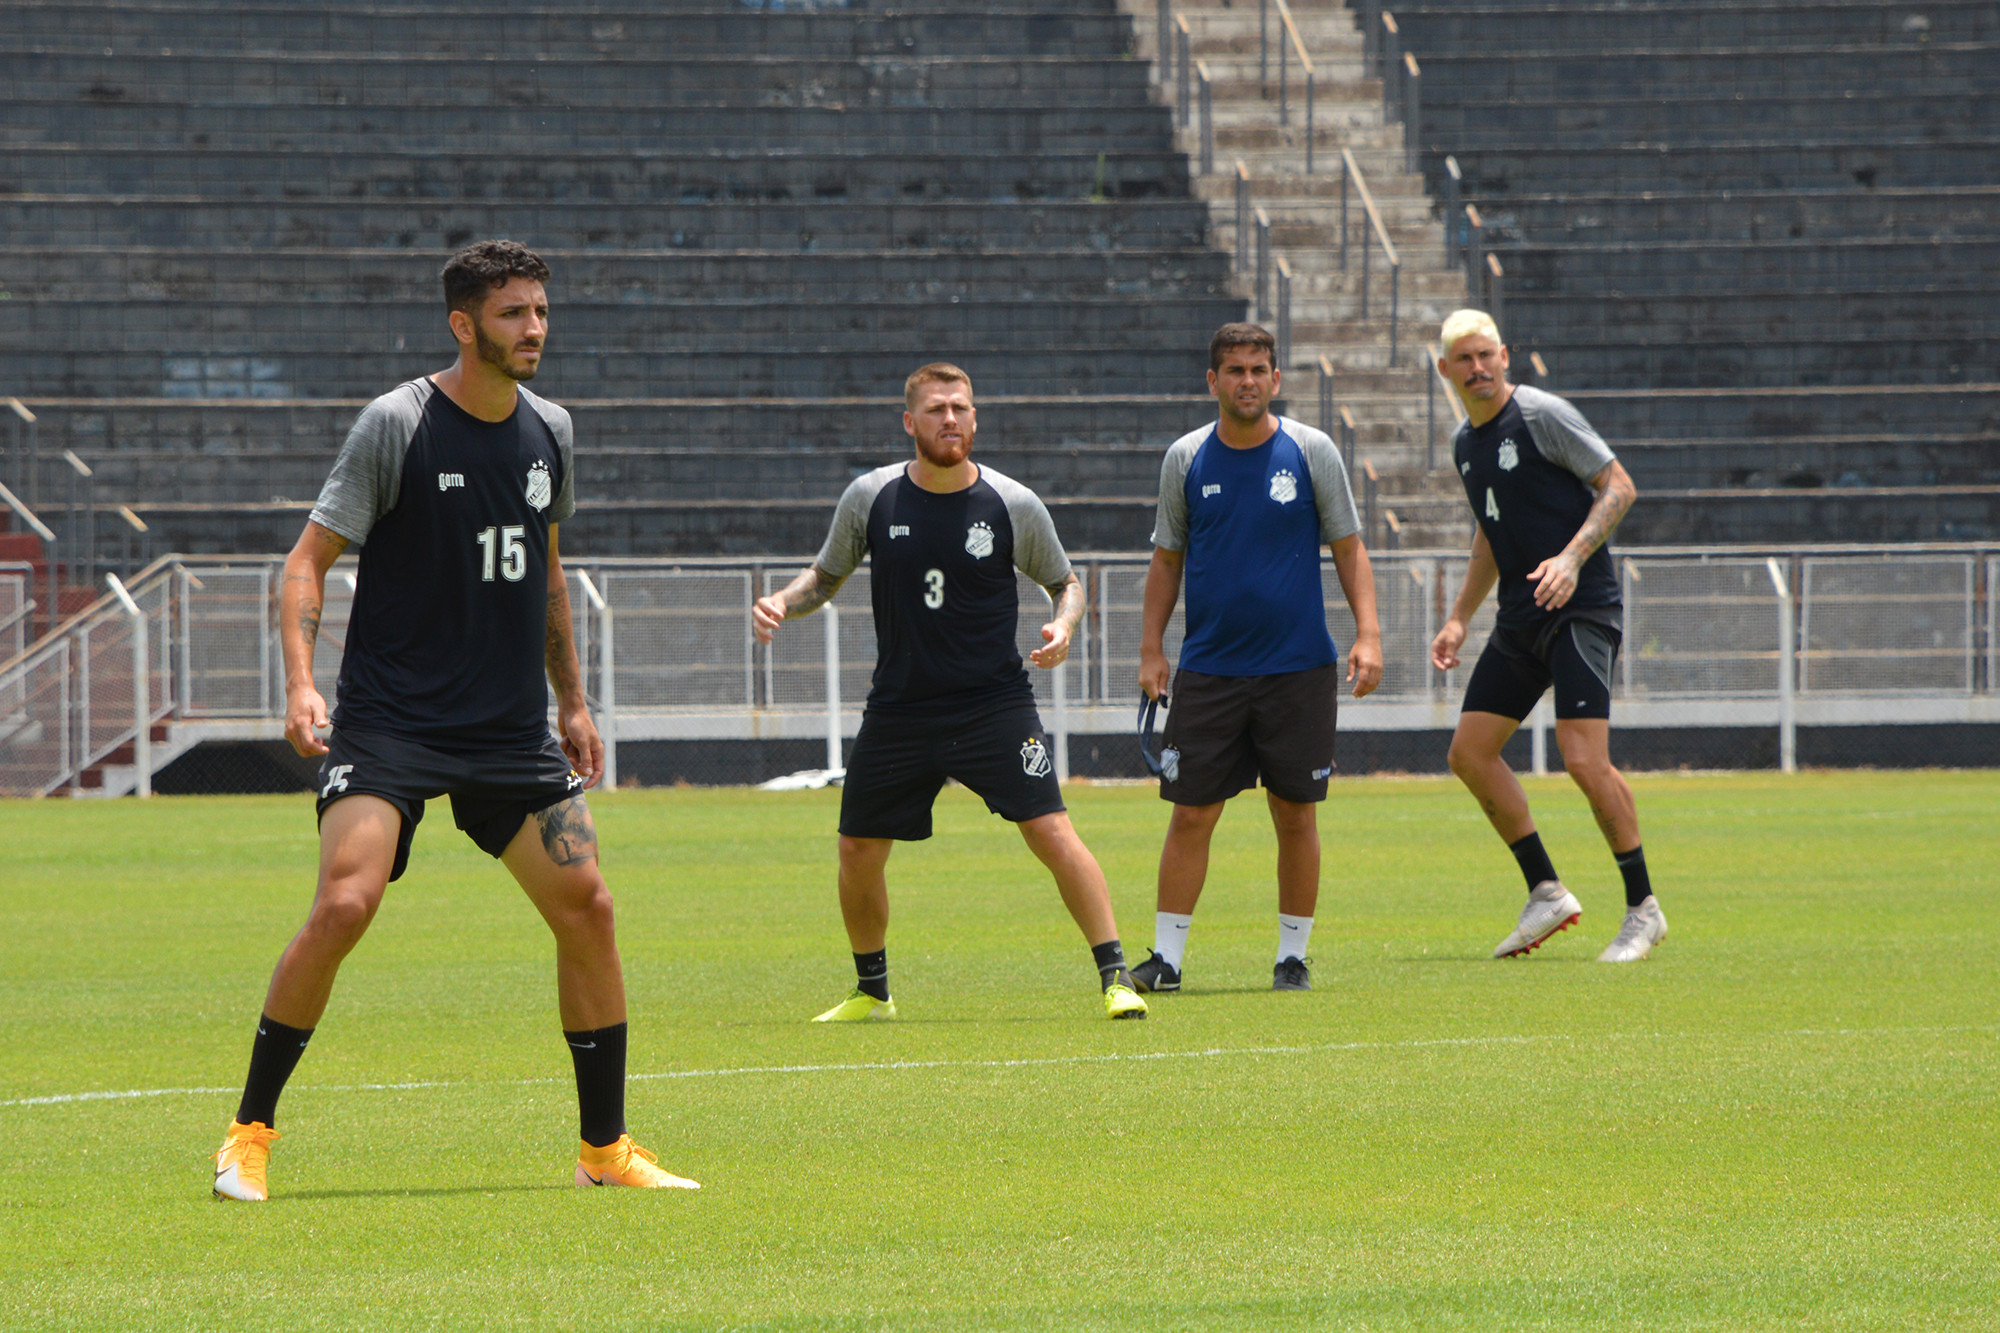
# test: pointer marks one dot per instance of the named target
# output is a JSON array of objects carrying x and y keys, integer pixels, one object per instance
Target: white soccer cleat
[
  {"x": 1645, "y": 926},
  {"x": 1551, "y": 908}
]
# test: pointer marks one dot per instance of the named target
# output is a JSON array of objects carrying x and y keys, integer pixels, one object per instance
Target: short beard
[
  {"x": 1234, "y": 413},
  {"x": 494, "y": 355},
  {"x": 944, "y": 455}
]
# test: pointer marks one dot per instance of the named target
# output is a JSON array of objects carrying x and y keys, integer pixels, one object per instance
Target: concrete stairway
[{"x": 1402, "y": 424}]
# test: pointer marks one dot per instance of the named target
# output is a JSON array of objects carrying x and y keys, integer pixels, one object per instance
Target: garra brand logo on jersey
[
  {"x": 898, "y": 530},
  {"x": 1465, "y": 469},
  {"x": 447, "y": 480},
  {"x": 1284, "y": 486},
  {"x": 538, "y": 486},
  {"x": 979, "y": 541},
  {"x": 1209, "y": 490},
  {"x": 1034, "y": 758},
  {"x": 1510, "y": 457}
]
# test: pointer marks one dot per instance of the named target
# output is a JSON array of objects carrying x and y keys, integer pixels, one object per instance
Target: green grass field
[{"x": 1789, "y": 1117}]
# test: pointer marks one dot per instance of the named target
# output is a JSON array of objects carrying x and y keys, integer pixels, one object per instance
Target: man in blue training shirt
[{"x": 1245, "y": 506}]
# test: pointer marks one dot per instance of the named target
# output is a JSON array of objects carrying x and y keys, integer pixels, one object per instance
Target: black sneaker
[
  {"x": 1292, "y": 974},
  {"x": 1155, "y": 976}
]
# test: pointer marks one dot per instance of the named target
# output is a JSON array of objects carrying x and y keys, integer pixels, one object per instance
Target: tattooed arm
[
  {"x": 807, "y": 593},
  {"x": 300, "y": 598},
  {"x": 1555, "y": 578},
  {"x": 581, "y": 744},
  {"x": 1070, "y": 603}
]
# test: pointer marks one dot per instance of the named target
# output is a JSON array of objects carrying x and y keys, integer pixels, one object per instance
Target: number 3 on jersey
[
  {"x": 1492, "y": 506},
  {"x": 934, "y": 588},
  {"x": 503, "y": 547}
]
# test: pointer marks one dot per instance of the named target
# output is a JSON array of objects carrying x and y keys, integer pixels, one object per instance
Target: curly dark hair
[
  {"x": 485, "y": 265},
  {"x": 1239, "y": 335}
]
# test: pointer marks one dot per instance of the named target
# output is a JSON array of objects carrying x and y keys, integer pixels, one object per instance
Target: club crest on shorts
[
  {"x": 1170, "y": 764},
  {"x": 538, "y": 485},
  {"x": 979, "y": 541},
  {"x": 1284, "y": 486},
  {"x": 1034, "y": 758},
  {"x": 1510, "y": 457}
]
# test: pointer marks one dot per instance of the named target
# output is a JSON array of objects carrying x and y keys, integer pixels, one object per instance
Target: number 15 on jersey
[{"x": 503, "y": 547}]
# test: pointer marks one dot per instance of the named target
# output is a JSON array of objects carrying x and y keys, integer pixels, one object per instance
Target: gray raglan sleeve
[
  {"x": 1170, "y": 523},
  {"x": 367, "y": 474},
  {"x": 1564, "y": 437},
  {"x": 1038, "y": 552},
  {"x": 560, "y": 426},
  {"x": 847, "y": 540},
  {"x": 1333, "y": 494}
]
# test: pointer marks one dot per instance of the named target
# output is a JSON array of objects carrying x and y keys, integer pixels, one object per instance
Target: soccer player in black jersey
[
  {"x": 454, "y": 485},
  {"x": 1546, "y": 492},
  {"x": 951, "y": 699}
]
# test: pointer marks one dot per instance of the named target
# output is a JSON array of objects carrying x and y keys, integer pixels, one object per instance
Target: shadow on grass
[
  {"x": 1550, "y": 960},
  {"x": 320, "y": 1196}
]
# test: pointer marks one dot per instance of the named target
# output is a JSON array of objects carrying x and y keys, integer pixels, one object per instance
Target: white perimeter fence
[{"x": 1777, "y": 638}]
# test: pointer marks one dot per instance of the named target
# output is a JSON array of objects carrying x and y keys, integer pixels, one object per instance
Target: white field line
[{"x": 1210, "y": 1053}]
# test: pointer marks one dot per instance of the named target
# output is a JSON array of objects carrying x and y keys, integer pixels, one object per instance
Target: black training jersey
[
  {"x": 942, "y": 574},
  {"x": 1525, "y": 472},
  {"x": 447, "y": 637}
]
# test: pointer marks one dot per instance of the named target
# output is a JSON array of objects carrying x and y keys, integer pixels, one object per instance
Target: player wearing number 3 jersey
[
  {"x": 951, "y": 699},
  {"x": 453, "y": 486},
  {"x": 1546, "y": 493}
]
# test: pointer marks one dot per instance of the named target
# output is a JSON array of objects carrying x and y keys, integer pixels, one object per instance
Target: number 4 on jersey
[
  {"x": 503, "y": 547},
  {"x": 1492, "y": 506}
]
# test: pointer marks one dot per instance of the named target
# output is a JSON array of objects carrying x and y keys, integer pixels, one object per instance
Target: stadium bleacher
[
  {"x": 1759, "y": 237},
  {"x": 224, "y": 224}
]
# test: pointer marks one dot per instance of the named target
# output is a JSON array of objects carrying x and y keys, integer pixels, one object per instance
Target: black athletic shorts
[
  {"x": 900, "y": 762},
  {"x": 492, "y": 791},
  {"x": 1224, "y": 732},
  {"x": 1574, "y": 654}
]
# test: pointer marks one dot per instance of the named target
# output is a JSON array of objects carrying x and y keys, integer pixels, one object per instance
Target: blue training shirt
[{"x": 1252, "y": 523}]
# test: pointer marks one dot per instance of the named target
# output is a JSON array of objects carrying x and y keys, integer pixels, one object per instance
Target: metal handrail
[
  {"x": 1305, "y": 63},
  {"x": 1182, "y": 110},
  {"x": 1350, "y": 169},
  {"x": 1207, "y": 118}
]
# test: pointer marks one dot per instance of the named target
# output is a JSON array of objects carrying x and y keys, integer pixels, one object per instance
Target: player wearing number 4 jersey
[
  {"x": 1546, "y": 493},
  {"x": 453, "y": 486},
  {"x": 951, "y": 699}
]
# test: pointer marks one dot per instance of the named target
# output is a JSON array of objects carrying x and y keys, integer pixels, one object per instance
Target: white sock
[
  {"x": 1294, "y": 934},
  {"x": 1170, "y": 931}
]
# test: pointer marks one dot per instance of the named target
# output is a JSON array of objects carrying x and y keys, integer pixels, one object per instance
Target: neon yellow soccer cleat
[
  {"x": 240, "y": 1162},
  {"x": 625, "y": 1163},
  {"x": 857, "y": 1007},
  {"x": 1121, "y": 1001}
]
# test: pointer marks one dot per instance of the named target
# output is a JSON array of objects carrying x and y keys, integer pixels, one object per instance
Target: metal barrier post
[
  {"x": 1207, "y": 119},
  {"x": 79, "y": 552},
  {"x": 831, "y": 613},
  {"x": 607, "y": 677},
  {"x": 1061, "y": 728},
  {"x": 1538, "y": 749},
  {"x": 1284, "y": 338},
  {"x": 1474, "y": 260},
  {"x": 1495, "y": 299},
  {"x": 1183, "y": 75},
  {"x": 1242, "y": 218},
  {"x": 1452, "y": 184},
  {"x": 1163, "y": 36},
  {"x": 1369, "y": 484},
  {"x": 1263, "y": 44},
  {"x": 1412, "y": 112},
  {"x": 1395, "y": 307},
  {"x": 1284, "y": 61},
  {"x": 1788, "y": 737},
  {"x": 1263, "y": 264},
  {"x": 1326, "y": 422},
  {"x": 1392, "y": 62},
  {"x": 1347, "y": 440},
  {"x": 1343, "y": 210},
  {"x": 142, "y": 711},
  {"x": 1367, "y": 252},
  {"x": 1309, "y": 120}
]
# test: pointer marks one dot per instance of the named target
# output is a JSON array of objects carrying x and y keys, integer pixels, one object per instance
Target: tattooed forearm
[
  {"x": 568, "y": 835},
  {"x": 807, "y": 593},
  {"x": 559, "y": 649},
  {"x": 1070, "y": 603},
  {"x": 1605, "y": 513},
  {"x": 309, "y": 624}
]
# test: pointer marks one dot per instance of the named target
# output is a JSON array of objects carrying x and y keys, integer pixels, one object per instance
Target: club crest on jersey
[
  {"x": 1510, "y": 457},
  {"x": 538, "y": 486},
  {"x": 979, "y": 541},
  {"x": 1034, "y": 758},
  {"x": 1284, "y": 486}
]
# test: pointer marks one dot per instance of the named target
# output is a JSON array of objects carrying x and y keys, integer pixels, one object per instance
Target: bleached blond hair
[{"x": 1465, "y": 323}]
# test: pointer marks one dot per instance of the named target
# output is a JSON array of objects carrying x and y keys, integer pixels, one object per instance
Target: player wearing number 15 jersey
[
  {"x": 951, "y": 699},
  {"x": 1546, "y": 493},
  {"x": 454, "y": 486}
]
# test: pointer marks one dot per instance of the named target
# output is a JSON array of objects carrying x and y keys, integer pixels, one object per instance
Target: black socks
[
  {"x": 1535, "y": 864},
  {"x": 599, "y": 1057},
  {"x": 871, "y": 974},
  {"x": 1632, "y": 865},
  {"x": 273, "y": 1057},
  {"x": 1110, "y": 959}
]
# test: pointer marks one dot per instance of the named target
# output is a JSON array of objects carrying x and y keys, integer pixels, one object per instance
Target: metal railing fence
[{"x": 1778, "y": 637}]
